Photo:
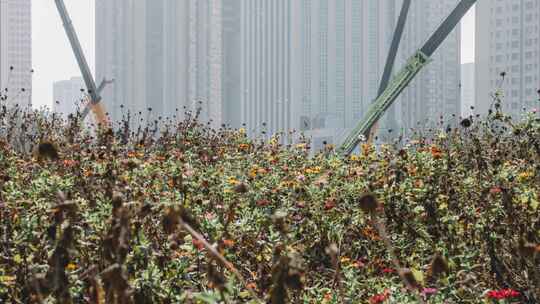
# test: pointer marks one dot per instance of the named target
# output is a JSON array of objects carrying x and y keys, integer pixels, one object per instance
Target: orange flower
[
  {"x": 436, "y": 152},
  {"x": 69, "y": 163},
  {"x": 228, "y": 243},
  {"x": 161, "y": 158},
  {"x": 243, "y": 146},
  {"x": 371, "y": 234}
]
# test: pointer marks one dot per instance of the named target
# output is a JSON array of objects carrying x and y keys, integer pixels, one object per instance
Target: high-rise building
[
  {"x": 162, "y": 54},
  {"x": 268, "y": 61},
  {"x": 68, "y": 96},
  {"x": 16, "y": 51},
  {"x": 345, "y": 45},
  {"x": 507, "y": 40},
  {"x": 435, "y": 92},
  {"x": 467, "y": 89},
  {"x": 273, "y": 65}
]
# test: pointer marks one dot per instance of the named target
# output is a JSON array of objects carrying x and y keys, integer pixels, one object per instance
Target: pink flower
[
  {"x": 301, "y": 177},
  {"x": 429, "y": 291}
]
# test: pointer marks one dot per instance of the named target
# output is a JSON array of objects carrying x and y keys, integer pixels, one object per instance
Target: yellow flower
[
  {"x": 253, "y": 172},
  {"x": 242, "y": 131},
  {"x": 355, "y": 157},
  {"x": 525, "y": 176},
  {"x": 71, "y": 267},
  {"x": 313, "y": 170},
  {"x": 232, "y": 181}
]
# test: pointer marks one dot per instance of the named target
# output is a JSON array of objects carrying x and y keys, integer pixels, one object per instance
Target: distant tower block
[{"x": 16, "y": 51}]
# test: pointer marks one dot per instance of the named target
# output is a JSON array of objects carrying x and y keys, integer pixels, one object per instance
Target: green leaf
[
  {"x": 418, "y": 275},
  {"x": 534, "y": 204},
  {"x": 17, "y": 259}
]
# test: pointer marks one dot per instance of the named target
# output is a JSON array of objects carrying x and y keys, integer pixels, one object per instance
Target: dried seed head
[
  {"x": 47, "y": 150},
  {"x": 408, "y": 277},
  {"x": 117, "y": 200},
  {"x": 368, "y": 203},
  {"x": 527, "y": 249},
  {"x": 465, "y": 123},
  {"x": 171, "y": 220},
  {"x": 279, "y": 220},
  {"x": 216, "y": 278},
  {"x": 187, "y": 217},
  {"x": 241, "y": 188},
  {"x": 439, "y": 265}
]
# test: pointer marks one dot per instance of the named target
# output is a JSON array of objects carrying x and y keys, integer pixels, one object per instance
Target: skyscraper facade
[
  {"x": 272, "y": 65},
  {"x": 269, "y": 63},
  {"x": 16, "y": 51},
  {"x": 345, "y": 45},
  {"x": 68, "y": 97},
  {"x": 163, "y": 55},
  {"x": 435, "y": 92},
  {"x": 507, "y": 41},
  {"x": 468, "y": 92}
]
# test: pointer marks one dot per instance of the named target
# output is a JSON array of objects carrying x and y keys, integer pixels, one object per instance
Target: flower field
[{"x": 198, "y": 215}]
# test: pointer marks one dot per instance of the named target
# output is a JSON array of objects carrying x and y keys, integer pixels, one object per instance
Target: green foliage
[{"x": 100, "y": 218}]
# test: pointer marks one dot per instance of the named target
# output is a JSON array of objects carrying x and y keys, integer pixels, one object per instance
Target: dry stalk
[
  {"x": 220, "y": 258},
  {"x": 382, "y": 232}
]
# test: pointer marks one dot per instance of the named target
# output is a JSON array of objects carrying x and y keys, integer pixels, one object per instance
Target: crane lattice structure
[{"x": 389, "y": 90}]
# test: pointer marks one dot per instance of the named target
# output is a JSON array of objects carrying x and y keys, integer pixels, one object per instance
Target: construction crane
[
  {"x": 94, "y": 93},
  {"x": 390, "y": 91}
]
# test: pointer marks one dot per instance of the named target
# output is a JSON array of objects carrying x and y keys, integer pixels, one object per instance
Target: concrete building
[
  {"x": 345, "y": 45},
  {"x": 16, "y": 51},
  {"x": 162, "y": 54},
  {"x": 273, "y": 65},
  {"x": 68, "y": 97},
  {"x": 435, "y": 92},
  {"x": 268, "y": 58},
  {"x": 468, "y": 92},
  {"x": 507, "y": 40}
]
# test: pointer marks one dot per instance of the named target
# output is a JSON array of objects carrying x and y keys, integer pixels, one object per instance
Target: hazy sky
[
  {"x": 52, "y": 56},
  {"x": 53, "y": 59}
]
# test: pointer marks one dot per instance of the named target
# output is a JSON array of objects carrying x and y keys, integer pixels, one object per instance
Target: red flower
[
  {"x": 198, "y": 244},
  {"x": 380, "y": 298},
  {"x": 263, "y": 202},
  {"x": 502, "y": 294},
  {"x": 388, "y": 270},
  {"x": 329, "y": 205}
]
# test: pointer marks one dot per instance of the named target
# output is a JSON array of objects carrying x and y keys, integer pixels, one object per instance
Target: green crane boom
[{"x": 404, "y": 77}]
